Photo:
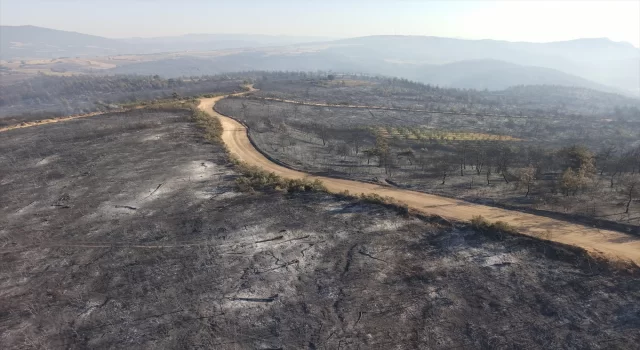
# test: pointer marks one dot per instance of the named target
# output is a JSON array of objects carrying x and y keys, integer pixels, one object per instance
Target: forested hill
[
  {"x": 77, "y": 94},
  {"x": 82, "y": 93}
]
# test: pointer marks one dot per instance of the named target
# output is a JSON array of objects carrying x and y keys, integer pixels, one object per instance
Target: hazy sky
[{"x": 507, "y": 20}]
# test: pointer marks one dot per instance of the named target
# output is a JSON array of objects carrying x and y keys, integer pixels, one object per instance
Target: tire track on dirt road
[{"x": 609, "y": 243}]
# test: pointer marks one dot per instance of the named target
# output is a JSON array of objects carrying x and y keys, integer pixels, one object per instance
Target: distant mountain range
[
  {"x": 492, "y": 64},
  {"x": 498, "y": 75},
  {"x": 601, "y": 60},
  {"x": 36, "y": 42},
  {"x": 200, "y": 42}
]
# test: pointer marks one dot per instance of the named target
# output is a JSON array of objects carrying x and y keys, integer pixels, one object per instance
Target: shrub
[
  {"x": 345, "y": 194},
  {"x": 498, "y": 229},
  {"x": 503, "y": 227},
  {"x": 478, "y": 222},
  {"x": 253, "y": 178}
]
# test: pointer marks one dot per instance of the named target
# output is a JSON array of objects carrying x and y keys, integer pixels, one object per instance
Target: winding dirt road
[
  {"x": 604, "y": 242},
  {"x": 609, "y": 243}
]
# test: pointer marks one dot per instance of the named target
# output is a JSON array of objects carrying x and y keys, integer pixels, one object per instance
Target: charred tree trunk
[
  {"x": 478, "y": 167},
  {"x": 631, "y": 192}
]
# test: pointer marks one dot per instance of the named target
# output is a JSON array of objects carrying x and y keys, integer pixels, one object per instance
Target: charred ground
[
  {"x": 126, "y": 230},
  {"x": 510, "y": 148}
]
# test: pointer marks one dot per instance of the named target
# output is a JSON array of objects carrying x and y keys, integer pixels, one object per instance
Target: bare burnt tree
[
  {"x": 407, "y": 154},
  {"x": 357, "y": 137},
  {"x": 461, "y": 151},
  {"x": 343, "y": 150},
  {"x": 322, "y": 131},
  {"x": 604, "y": 157},
  {"x": 504, "y": 159},
  {"x": 369, "y": 153},
  {"x": 631, "y": 189},
  {"x": 390, "y": 164},
  {"x": 479, "y": 157},
  {"x": 443, "y": 166},
  {"x": 244, "y": 110},
  {"x": 382, "y": 150}
]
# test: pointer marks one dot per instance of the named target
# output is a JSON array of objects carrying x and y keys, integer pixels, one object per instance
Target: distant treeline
[
  {"x": 61, "y": 95},
  {"x": 58, "y": 95},
  {"x": 533, "y": 100}
]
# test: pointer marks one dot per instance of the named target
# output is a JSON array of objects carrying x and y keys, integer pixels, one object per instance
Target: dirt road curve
[{"x": 609, "y": 243}]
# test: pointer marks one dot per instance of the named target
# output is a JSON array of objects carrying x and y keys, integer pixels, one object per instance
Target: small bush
[
  {"x": 375, "y": 198},
  {"x": 504, "y": 227},
  {"x": 403, "y": 209},
  {"x": 345, "y": 194},
  {"x": 498, "y": 229},
  {"x": 479, "y": 222}
]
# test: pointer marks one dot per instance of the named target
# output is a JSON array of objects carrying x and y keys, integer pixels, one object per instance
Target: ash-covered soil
[
  {"x": 332, "y": 141},
  {"x": 126, "y": 231}
]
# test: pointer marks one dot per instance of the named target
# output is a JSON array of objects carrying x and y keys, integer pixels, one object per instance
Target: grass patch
[{"x": 211, "y": 127}]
